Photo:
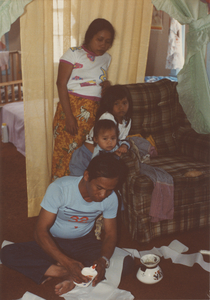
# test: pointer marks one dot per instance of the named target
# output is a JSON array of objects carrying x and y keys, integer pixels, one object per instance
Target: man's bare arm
[
  {"x": 45, "y": 241},
  {"x": 108, "y": 246}
]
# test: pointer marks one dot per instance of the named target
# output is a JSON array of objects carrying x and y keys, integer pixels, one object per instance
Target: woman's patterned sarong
[{"x": 84, "y": 111}]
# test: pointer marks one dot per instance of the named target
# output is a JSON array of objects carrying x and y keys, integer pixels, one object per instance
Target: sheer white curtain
[{"x": 48, "y": 28}]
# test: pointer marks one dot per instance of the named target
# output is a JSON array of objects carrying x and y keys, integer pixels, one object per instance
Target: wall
[
  {"x": 14, "y": 36},
  {"x": 157, "y": 52}
]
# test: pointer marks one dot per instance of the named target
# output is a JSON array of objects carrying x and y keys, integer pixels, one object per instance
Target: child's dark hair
[
  {"x": 105, "y": 125},
  {"x": 112, "y": 94},
  {"x": 96, "y": 26}
]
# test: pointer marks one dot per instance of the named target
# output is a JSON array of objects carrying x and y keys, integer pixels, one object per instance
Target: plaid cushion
[
  {"x": 155, "y": 107},
  {"x": 191, "y": 199},
  {"x": 194, "y": 144}
]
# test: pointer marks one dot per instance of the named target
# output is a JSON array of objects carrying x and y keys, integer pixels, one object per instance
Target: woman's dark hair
[
  {"x": 96, "y": 26},
  {"x": 112, "y": 94},
  {"x": 104, "y": 125},
  {"x": 108, "y": 165}
]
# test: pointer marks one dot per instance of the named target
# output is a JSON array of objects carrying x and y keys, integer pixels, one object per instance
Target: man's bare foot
[{"x": 64, "y": 287}]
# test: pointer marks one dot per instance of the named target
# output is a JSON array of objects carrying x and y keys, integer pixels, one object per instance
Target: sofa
[{"x": 182, "y": 153}]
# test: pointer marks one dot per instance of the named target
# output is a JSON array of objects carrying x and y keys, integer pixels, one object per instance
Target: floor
[{"x": 179, "y": 281}]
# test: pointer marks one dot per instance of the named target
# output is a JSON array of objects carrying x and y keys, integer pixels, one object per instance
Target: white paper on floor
[
  {"x": 30, "y": 296},
  {"x": 174, "y": 251},
  {"x": 106, "y": 289},
  {"x": 4, "y": 244}
]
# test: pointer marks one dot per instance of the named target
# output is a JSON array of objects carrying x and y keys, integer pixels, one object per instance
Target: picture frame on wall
[{"x": 157, "y": 19}]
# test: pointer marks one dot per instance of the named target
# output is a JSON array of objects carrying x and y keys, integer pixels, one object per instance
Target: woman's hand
[
  {"x": 71, "y": 125},
  {"x": 105, "y": 84}
]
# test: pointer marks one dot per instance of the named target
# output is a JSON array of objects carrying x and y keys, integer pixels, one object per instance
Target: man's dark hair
[
  {"x": 104, "y": 125},
  {"x": 96, "y": 26},
  {"x": 107, "y": 165}
]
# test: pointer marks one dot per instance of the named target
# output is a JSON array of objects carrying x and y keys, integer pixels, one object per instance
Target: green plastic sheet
[
  {"x": 10, "y": 10},
  {"x": 193, "y": 84}
]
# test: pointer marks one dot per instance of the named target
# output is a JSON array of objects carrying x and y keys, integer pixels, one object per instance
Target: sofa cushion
[
  {"x": 154, "y": 112},
  {"x": 193, "y": 144},
  {"x": 191, "y": 199}
]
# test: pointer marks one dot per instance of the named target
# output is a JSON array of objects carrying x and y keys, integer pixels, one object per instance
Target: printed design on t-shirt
[
  {"x": 78, "y": 66},
  {"x": 75, "y": 48},
  {"x": 91, "y": 57},
  {"x": 77, "y": 216},
  {"x": 88, "y": 83},
  {"x": 77, "y": 78},
  {"x": 103, "y": 76},
  {"x": 84, "y": 114}
]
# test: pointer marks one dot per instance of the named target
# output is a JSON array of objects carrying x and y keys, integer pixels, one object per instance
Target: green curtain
[
  {"x": 193, "y": 85},
  {"x": 10, "y": 10}
]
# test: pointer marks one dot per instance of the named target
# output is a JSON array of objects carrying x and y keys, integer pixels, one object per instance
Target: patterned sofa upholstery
[{"x": 157, "y": 112}]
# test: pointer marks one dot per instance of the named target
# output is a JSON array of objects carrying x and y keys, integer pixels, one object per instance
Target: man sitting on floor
[{"x": 64, "y": 237}]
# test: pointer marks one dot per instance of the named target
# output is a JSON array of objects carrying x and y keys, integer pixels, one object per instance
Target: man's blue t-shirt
[{"x": 75, "y": 216}]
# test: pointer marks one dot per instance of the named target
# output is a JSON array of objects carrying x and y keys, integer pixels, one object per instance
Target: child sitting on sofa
[
  {"x": 105, "y": 137},
  {"x": 116, "y": 105}
]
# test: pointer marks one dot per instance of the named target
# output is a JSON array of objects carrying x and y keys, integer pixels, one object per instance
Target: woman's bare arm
[{"x": 64, "y": 73}]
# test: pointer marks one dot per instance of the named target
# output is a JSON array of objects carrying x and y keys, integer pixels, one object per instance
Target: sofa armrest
[
  {"x": 193, "y": 144},
  {"x": 132, "y": 159}
]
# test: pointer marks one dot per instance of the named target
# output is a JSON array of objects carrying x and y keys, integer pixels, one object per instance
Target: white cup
[{"x": 90, "y": 273}]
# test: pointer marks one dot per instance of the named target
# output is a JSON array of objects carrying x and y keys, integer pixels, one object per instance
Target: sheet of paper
[
  {"x": 107, "y": 289},
  {"x": 174, "y": 252},
  {"x": 30, "y": 296}
]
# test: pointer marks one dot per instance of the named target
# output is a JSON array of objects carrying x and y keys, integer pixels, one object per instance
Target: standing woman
[{"x": 82, "y": 77}]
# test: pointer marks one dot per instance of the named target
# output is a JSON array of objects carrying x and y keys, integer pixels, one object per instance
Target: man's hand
[
  {"x": 75, "y": 267},
  {"x": 100, "y": 268}
]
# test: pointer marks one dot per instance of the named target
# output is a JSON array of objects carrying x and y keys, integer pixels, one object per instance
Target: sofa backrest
[{"x": 157, "y": 112}]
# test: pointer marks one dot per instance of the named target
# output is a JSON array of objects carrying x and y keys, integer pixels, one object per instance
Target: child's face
[
  {"x": 100, "y": 43},
  {"x": 107, "y": 139},
  {"x": 120, "y": 109}
]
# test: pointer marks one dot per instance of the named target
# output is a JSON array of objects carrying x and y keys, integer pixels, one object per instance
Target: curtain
[
  {"x": 38, "y": 82},
  {"x": 48, "y": 29},
  {"x": 193, "y": 85},
  {"x": 10, "y": 10}
]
